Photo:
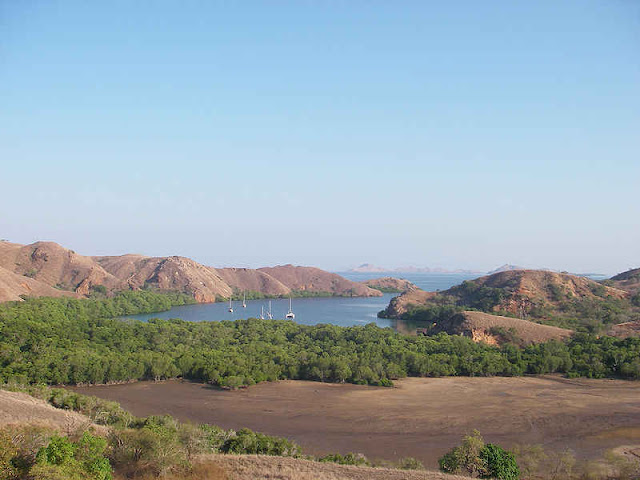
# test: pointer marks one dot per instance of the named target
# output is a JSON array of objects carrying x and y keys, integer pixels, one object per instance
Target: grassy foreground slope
[{"x": 261, "y": 467}]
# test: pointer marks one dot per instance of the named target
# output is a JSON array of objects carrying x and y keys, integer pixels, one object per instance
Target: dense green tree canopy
[{"x": 68, "y": 341}]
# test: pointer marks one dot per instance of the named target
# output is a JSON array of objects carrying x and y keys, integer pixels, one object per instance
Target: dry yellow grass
[
  {"x": 22, "y": 409},
  {"x": 258, "y": 467}
]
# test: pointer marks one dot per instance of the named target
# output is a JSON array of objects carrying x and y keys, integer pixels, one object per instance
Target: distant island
[
  {"x": 370, "y": 268},
  {"x": 507, "y": 267}
]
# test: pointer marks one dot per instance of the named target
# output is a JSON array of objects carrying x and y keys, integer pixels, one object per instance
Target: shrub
[
  {"x": 348, "y": 459},
  {"x": 154, "y": 451},
  {"x": 410, "y": 463},
  {"x": 60, "y": 451},
  {"x": 246, "y": 441},
  {"x": 449, "y": 462},
  {"x": 8, "y": 453},
  {"x": 66, "y": 460},
  {"x": 500, "y": 463}
]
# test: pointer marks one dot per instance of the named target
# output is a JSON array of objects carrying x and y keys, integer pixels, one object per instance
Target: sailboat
[
  {"x": 244, "y": 299},
  {"x": 269, "y": 314},
  {"x": 262, "y": 312},
  {"x": 290, "y": 315},
  {"x": 230, "y": 306}
]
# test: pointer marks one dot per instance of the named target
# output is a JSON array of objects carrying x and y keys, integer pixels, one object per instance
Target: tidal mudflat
[{"x": 419, "y": 417}]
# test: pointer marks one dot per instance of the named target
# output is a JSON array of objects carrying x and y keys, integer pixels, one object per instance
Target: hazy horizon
[{"x": 462, "y": 135}]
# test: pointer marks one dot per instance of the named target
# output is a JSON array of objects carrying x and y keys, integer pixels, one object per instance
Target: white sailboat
[
  {"x": 290, "y": 315},
  {"x": 269, "y": 314},
  {"x": 262, "y": 312},
  {"x": 230, "y": 305},
  {"x": 244, "y": 299}
]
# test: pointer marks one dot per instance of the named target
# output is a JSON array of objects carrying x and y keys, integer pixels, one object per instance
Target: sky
[{"x": 458, "y": 134}]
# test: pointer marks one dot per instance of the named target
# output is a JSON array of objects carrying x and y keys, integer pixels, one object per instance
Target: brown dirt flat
[{"x": 420, "y": 417}]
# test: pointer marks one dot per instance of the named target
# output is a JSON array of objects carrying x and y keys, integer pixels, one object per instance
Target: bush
[
  {"x": 348, "y": 459},
  {"x": 8, "y": 454},
  {"x": 68, "y": 460},
  {"x": 475, "y": 458},
  {"x": 149, "y": 450},
  {"x": 500, "y": 463},
  {"x": 246, "y": 441},
  {"x": 410, "y": 463}
]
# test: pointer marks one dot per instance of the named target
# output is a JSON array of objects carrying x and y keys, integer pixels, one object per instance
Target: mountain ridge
[{"x": 49, "y": 269}]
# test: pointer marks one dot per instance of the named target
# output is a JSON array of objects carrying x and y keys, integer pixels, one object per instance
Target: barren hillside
[
  {"x": 56, "y": 266},
  {"x": 12, "y": 286},
  {"x": 515, "y": 291},
  {"x": 310, "y": 279},
  {"x": 629, "y": 280},
  {"x": 167, "y": 273},
  {"x": 253, "y": 280},
  {"x": 496, "y": 330},
  {"x": 48, "y": 269}
]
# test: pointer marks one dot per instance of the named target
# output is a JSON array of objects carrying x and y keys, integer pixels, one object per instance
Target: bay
[{"x": 343, "y": 311}]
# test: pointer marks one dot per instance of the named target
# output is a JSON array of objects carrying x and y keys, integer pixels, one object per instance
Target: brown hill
[
  {"x": 14, "y": 286},
  {"x": 496, "y": 330},
  {"x": 628, "y": 281},
  {"x": 310, "y": 279},
  {"x": 56, "y": 266},
  {"x": 253, "y": 281},
  {"x": 167, "y": 273},
  {"x": 48, "y": 269},
  {"x": 409, "y": 300},
  {"x": 520, "y": 292},
  {"x": 390, "y": 284}
]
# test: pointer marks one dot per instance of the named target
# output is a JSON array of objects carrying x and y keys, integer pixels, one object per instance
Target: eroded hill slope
[{"x": 48, "y": 269}]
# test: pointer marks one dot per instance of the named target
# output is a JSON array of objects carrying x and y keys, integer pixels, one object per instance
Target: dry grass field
[
  {"x": 257, "y": 467},
  {"x": 20, "y": 408},
  {"x": 420, "y": 417}
]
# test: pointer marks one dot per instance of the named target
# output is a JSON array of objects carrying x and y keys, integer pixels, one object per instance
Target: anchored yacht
[{"x": 290, "y": 315}]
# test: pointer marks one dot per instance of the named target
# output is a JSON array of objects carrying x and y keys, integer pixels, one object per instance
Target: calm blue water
[
  {"x": 426, "y": 281},
  {"x": 311, "y": 311}
]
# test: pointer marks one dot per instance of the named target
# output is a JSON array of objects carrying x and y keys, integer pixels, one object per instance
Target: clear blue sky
[{"x": 328, "y": 133}]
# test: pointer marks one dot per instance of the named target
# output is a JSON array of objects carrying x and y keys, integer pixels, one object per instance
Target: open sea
[{"x": 342, "y": 311}]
